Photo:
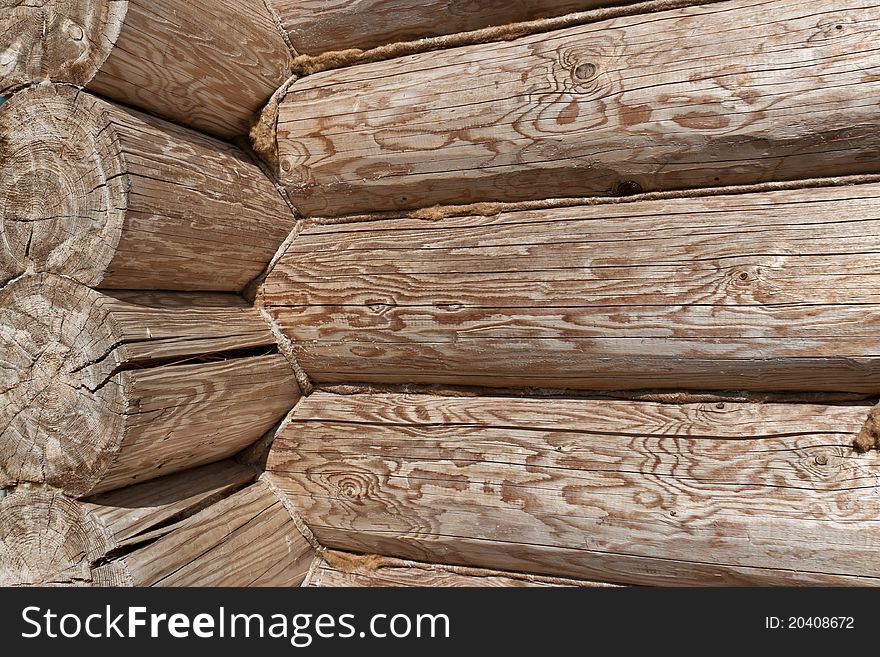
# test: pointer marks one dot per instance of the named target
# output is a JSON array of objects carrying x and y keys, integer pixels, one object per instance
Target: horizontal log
[
  {"x": 317, "y": 26},
  {"x": 118, "y": 199},
  {"x": 340, "y": 569},
  {"x": 98, "y": 391},
  {"x": 206, "y": 526},
  {"x": 209, "y": 65},
  {"x": 766, "y": 291},
  {"x": 615, "y": 491},
  {"x": 729, "y": 93}
]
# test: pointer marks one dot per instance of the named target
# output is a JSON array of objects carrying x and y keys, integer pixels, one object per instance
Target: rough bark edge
[
  {"x": 285, "y": 346},
  {"x": 276, "y": 17},
  {"x": 307, "y": 580},
  {"x": 263, "y": 133},
  {"x": 252, "y": 291},
  {"x": 301, "y": 525}
]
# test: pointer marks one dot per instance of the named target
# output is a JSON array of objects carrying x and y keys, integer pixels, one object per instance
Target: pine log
[
  {"x": 117, "y": 199},
  {"x": 188, "y": 528},
  {"x": 317, "y": 26},
  {"x": 730, "y": 93},
  {"x": 100, "y": 390},
  {"x": 340, "y": 569},
  {"x": 774, "y": 291},
  {"x": 209, "y": 65},
  {"x": 614, "y": 491}
]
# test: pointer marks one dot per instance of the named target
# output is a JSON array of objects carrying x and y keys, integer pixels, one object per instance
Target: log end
[
  {"x": 63, "y": 192},
  {"x": 60, "y": 408},
  {"x": 47, "y": 539},
  {"x": 61, "y": 40}
]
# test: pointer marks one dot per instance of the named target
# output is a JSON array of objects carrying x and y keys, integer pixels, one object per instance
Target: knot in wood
[
  {"x": 584, "y": 72},
  {"x": 628, "y": 188},
  {"x": 353, "y": 486}
]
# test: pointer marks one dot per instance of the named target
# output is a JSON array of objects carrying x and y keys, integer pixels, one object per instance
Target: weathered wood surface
[
  {"x": 202, "y": 527},
  {"x": 729, "y": 93},
  {"x": 317, "y": 26},
  {"x": 769, "y": 291},
  {"x": 616, "y": 491},
  {"x": 117, "y": 199},
  {"x": 340, "y": 569},
  {"x": 206, "y": 64},
  {"x": 248, "y": 539},
  {"x": 98, "y": 391},
  {"x": 144, "y": 512}
]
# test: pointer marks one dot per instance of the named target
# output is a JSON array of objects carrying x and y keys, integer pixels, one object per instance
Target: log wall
[
  {"x": 426, "y": 247},
  {"x": 723, "y": 94},
  {"x": 125, "y": 356}
]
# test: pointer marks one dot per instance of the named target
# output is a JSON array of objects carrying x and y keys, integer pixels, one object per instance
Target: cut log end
[
  {"x": 62, "y": 192},
  {"x": 59, "y": 408},
  {"x": 64, "y": 40},
  {"x": 47, "y": 539}
]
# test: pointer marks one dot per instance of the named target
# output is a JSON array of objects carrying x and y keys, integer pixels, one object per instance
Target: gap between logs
[
  {"x": 490, "y": 209},
  {"x": 303, "y": 65}
]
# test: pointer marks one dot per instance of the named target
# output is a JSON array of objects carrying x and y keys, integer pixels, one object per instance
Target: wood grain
[
  {"x": 616, "y": 491},
  {"x": 248, "y": 539},
  {"x": 99, "y": 392},
  {"x": 729, "y": 93},
  {"x": 317, "y": 26},
  {"x": 207, "y": 64},
  {"x": 772, "y": 291},
  {"x": 143, "y": 512},
  {"x": 56, "y": 39},
  {"x": 48, "y": 539},
  {"x": 118, "y": 199},
  {"x": 339, "y": 569}
]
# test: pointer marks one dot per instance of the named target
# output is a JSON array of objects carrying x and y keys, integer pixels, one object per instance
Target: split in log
[
  {"x": 773, "y": 291},
  {"x": 317, "y": 26},
  {"x": 732, "y": 93},
  {"x": 615, "y": 491},
  {"x": 340, "y": 569},
  {"x": 184, "y": 529},
  {"x": 209, "y": 65},
  {"x": 248, "y": 539},
  {"x": 117, "y": 199},
  {"x": 100, "y": 390}
]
